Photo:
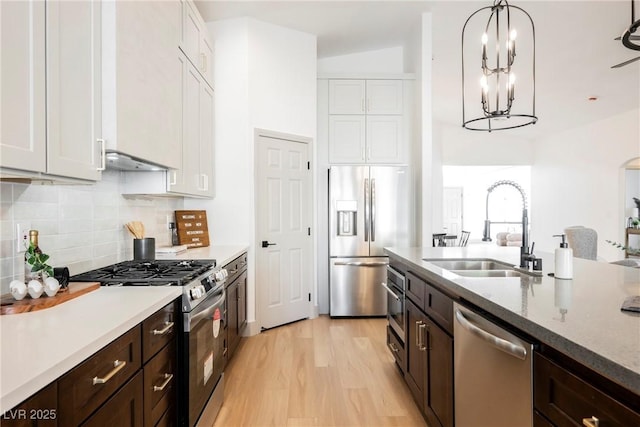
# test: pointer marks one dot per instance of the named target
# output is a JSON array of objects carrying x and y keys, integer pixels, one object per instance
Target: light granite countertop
[
  {"x": 579, "y": 317},
  {"x": 38, "y": 347}
]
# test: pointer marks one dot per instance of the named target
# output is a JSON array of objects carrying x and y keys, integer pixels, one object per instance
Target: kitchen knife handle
[
  {"x": 118, "y": 365},
  {"x": 366, "y": 210}
]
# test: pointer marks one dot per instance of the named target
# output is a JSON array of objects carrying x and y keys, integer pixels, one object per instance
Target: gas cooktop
[{"x": 148, "y": 273}]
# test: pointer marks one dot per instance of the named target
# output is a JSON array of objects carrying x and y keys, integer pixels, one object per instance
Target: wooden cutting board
[
  {"x": 192, "y": 228},
  {"x": 9, "y": 305}
]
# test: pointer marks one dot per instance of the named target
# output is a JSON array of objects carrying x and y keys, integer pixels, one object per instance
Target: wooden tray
[
  {"x": 9, "y": 305},
  {"x": 192, "y": 228}
]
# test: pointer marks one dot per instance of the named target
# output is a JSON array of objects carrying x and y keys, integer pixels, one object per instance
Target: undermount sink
[
  {"x": 458, "y": 265},
  {"x": 480, "y": 268},
  {"x": 487, "y": 273}
]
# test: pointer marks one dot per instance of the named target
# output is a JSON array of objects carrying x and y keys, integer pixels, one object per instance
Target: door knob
[{"x": 266, "y": 244}]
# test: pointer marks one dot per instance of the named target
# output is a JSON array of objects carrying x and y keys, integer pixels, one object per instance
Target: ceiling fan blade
[
  {"x": 630, "y": 38},
  {"x": 622, "y": 64}
]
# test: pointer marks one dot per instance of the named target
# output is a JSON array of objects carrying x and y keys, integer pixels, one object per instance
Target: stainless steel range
[{"x": 202, "y": 348}]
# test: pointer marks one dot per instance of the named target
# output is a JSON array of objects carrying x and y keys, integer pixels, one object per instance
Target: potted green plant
[
  {"x": 38, "y": 260},
  {"x": 630, "y": 250}
]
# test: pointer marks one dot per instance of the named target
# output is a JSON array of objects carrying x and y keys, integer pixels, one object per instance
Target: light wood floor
[{"x": 321, "y": 372}]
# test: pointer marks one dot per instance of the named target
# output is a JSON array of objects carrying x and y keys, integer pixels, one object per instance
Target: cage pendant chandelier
[{"x": 490, "y": 67}]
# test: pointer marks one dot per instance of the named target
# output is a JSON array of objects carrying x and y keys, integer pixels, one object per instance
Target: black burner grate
[{"x": 140, "y": 273}]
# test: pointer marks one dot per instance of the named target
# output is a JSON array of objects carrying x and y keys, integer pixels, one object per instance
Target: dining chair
[{"x": 583, "y": 241}]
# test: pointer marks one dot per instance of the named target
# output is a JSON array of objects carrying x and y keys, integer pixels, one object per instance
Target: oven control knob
[{"x": 221, "y": 274}]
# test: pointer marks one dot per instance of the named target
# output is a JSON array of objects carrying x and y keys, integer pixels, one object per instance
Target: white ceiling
[{"x": 575, "y": 48}]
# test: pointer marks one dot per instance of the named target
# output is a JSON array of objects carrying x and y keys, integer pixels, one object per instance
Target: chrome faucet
[{"x": 526, "y": 255}]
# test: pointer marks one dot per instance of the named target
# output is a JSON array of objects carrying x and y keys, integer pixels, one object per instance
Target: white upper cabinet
[
  {"x": 347, "y": 139},
  {"x": 195, "y": 41},
  {"x": 51, "y": 48},
  {"x": 197, "y": 134},
  {"x": 74, "y": 117},
  {"x": 141, "y": 80},
  {"x": 366, "y": 122},
  {"x": 194, "y": 176},
  {"x": 22, "y": 85},
  {"x": 384, "y": 97},
  {"x": 349, "y": 96}
]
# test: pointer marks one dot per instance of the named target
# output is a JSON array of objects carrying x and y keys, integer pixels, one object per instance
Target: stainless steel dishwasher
[{"x": 492, "y": 374}]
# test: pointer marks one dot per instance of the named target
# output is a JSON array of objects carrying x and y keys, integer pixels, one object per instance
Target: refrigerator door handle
[
  {"x": 362, "y": 263},
  {"x": 373, "y": 210},
  {"x": 366, "y": 210}
]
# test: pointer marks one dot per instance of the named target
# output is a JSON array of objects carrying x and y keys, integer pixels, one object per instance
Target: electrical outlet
[
  {"x": 170, "y": 222},
  {"x": 22, "y": 236}
]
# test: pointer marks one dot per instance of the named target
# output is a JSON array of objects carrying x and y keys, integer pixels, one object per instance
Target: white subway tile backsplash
[
  {"x": 81, "y": 227},
  {"x": 6, "y": 192},
  {"x": 35, "y": 210}
]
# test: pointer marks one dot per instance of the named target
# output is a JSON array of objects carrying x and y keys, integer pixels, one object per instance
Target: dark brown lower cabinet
[
  {"x": 120, "y": 385},
  {"x": 40, "y": 410},
  {"x": 429, "y": 373},
  {"x": 123, "y": 409},
  {"x": 565, "y": 399}
]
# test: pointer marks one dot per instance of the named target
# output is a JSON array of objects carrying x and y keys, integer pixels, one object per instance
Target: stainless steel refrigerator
[{"x": 370, "y": 207}]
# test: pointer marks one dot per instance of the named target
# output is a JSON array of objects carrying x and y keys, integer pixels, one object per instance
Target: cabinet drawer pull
[
  {"x": 118, "y": 365},
  {"x": 393, "y": 348},
  {"x": 167, "y": 380},
  {"x": 591, "y": 422},
  {"x": 167, "y": 328}
]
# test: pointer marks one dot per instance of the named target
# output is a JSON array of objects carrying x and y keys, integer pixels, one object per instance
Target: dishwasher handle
[{"x": 508, "y": 347}]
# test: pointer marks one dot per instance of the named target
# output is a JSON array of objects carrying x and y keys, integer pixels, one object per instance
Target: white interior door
[
  {"x": 452, "y": 210},
  {"x": 284, "y": 245}
]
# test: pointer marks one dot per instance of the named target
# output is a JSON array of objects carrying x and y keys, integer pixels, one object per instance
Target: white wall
[
  {"x": 265, "y": 77},
  {"x": 80, "y": 226},
  {"x": 431, "y": 146},
  {"x": 577, "y": 180},
  {"x": 390, "y": 60}
]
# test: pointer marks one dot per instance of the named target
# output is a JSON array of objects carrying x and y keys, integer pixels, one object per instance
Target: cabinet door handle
[
  {"x": 103, "y": 155},
  {"x": 418, "y": 336},
  {"x": 167, "y": 328},
  {"x": 167, "y": 380},
  {"x": 204, "y": 179},
  {"x": 118, "y": 365},
  {"x": 422, "y": 327},
  {"x": 591, "y": 422},
  {"x": 203, "y": 62}
]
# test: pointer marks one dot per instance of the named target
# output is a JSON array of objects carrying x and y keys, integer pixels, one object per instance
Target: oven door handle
[
  {"x": 204, "y": 310},
  {"x": 393, "y": 294}
]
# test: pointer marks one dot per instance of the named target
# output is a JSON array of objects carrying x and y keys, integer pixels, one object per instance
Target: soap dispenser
[{"x": 563, "y": 260}]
